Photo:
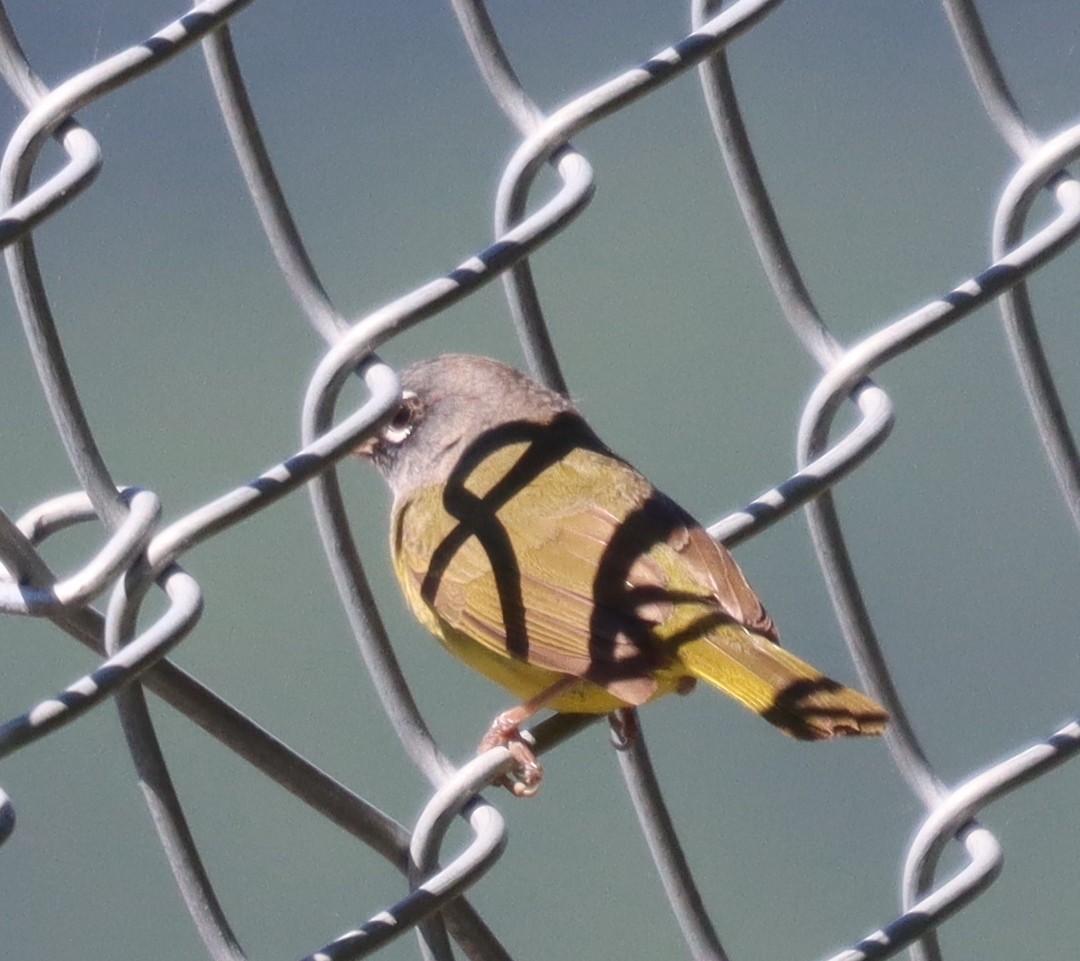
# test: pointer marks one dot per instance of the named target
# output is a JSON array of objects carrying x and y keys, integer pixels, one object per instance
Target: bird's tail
[{"x": 783, "y": 689}]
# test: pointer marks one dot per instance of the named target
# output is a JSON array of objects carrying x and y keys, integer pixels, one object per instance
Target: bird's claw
[
  {"x": 625, "y": 728},
  {"x": 524, "y": 778}
]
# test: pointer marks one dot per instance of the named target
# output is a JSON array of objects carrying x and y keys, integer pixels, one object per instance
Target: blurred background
[{"x": 192, "y": 360}]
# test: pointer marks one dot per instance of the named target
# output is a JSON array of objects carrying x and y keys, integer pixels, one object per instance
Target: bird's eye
[{"x": 404, "y": 419}]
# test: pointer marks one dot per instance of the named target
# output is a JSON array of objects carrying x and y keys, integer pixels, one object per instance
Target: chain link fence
[{"x": 132, "y": 599}]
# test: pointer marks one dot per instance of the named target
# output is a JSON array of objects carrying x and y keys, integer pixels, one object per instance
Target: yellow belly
[
  {"x": 522, "y": 679},
  {"x": 526, "y": 681}
]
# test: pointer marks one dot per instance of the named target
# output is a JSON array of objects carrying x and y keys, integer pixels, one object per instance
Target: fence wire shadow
[{"x": 100, "y": 605}]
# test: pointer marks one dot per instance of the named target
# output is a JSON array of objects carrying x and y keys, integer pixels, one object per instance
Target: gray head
[{"x": 449, "y": 402}]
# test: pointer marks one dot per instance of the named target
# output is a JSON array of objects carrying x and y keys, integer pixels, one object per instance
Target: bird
[{"x": 552, "y": 566}]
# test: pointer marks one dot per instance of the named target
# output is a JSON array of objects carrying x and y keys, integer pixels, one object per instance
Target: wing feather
[{"x": 570, "y": 574}]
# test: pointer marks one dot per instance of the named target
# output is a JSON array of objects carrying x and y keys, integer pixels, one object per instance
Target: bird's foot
[
  {"x": 624, "y": 728},
  {"x": 525, "y": 777}
]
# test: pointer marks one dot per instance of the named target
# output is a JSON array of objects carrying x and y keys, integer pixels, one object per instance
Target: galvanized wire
[{"x": 138, "y": 555}]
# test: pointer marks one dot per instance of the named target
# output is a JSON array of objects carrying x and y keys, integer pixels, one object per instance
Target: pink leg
[{"x": 505, "y": 731}]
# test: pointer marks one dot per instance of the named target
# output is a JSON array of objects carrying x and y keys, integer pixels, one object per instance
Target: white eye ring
[{"x": 404, "y": 419}]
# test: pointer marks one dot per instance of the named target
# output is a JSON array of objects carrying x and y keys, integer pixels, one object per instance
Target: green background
[{"x": 192, "y": 361}]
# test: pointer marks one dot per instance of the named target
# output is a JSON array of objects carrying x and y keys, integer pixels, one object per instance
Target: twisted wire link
[{"x": 139, "y": 553}]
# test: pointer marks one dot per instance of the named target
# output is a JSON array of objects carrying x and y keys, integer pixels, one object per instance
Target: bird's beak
[{"x": 367, "y": 448}]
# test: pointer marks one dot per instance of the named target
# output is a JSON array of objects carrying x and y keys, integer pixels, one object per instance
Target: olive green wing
[{"x": 576, "y": 572}]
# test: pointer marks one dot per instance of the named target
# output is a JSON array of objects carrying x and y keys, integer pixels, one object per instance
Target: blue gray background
[{"x": 192, "y": 361}]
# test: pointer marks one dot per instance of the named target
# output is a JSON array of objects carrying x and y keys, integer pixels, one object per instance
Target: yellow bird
[{"x": 547, "y": 563}]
